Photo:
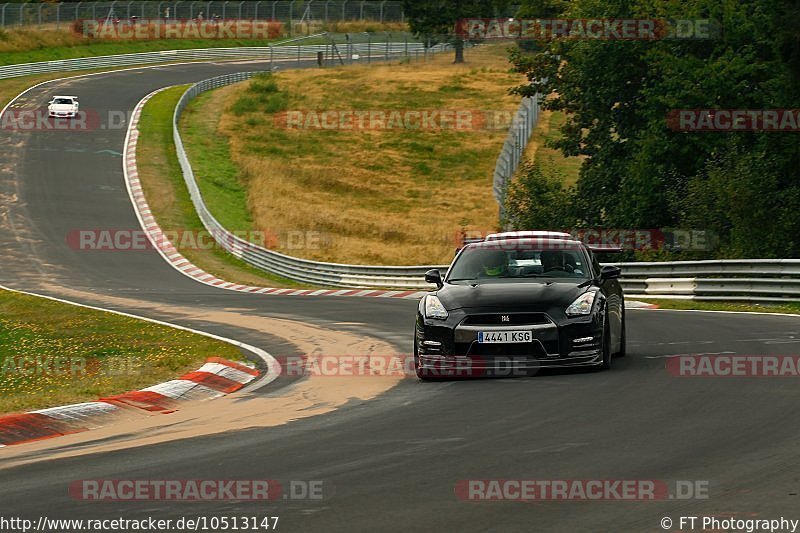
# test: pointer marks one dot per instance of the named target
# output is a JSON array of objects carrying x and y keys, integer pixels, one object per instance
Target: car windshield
[
  {"x": 486, "y": 263},
  {"x": 62, "y": 101}
]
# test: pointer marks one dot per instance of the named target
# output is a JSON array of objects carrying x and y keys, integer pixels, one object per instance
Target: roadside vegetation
[
  {"x": 639, "y": 169},
  {"x": 53, "y": 353},
  {"x": 366, "y": 195},
  {"x": 169, "y": 199},
  {"x": 664, "y": 303}
]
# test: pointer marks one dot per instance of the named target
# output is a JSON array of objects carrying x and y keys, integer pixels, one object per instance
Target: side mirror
[
  {"x": 434, "y": 276},
  {"x": 610, "y": 272}
]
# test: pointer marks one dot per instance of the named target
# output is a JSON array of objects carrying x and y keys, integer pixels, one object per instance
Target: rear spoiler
[
  {"x": 603, "y": 249},
  {"x": 469, "y": 241}
]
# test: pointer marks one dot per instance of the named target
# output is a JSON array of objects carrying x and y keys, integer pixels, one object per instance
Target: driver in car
[
  {"x": 553, "y": 264},
  {"x": 494, "y": 265}
]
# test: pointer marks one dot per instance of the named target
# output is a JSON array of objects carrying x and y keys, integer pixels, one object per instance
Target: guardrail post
[
  {"x": 291, "y": 16},
  {"x": 369, "y": 48}
]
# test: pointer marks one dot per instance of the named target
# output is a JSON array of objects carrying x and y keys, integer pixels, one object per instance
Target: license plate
[{"x": 504, "y": 337}]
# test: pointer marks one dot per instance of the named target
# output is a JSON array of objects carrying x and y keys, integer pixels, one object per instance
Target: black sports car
[{"x": 509, "y": 306}]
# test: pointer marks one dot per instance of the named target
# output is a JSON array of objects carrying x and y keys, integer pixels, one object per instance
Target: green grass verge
[
  {"x": 789, "y": 307},
  {"x": 53, "y": 353},
  {"x": 169, "y": 199},
  {"x": 217, "y": 176}
]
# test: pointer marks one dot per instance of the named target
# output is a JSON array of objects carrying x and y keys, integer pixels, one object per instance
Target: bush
[{"x": 536, "y": 201}]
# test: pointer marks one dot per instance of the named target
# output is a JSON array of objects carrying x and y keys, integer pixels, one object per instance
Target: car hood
[
  {"x": 62, "y": 107},
  {"x": 511, "y": 296}
]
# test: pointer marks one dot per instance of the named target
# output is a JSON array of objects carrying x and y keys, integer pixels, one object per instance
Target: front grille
[{"x": 514, "y": 319}]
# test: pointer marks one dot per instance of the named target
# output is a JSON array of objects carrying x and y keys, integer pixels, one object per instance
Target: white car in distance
[{"x": 63, "y": 107}]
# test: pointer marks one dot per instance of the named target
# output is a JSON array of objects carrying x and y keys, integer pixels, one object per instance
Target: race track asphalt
[{"x": 392, "y": 463}]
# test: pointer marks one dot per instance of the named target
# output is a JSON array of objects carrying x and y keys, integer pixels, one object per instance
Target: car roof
[
  {"x": 64, "y": 96},
  {"x": 528, "y": 234},
  {"x": 529, "y": 242}
]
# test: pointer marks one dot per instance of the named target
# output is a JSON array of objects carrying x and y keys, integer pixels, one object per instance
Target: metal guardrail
[
  {"x": 318, "y": 273},
  {"x": 519, "y": 134},
  {"x": 767, "y": 280},
  {"x": 280, "y": 51},
  {"x": 287, "y": 11}
]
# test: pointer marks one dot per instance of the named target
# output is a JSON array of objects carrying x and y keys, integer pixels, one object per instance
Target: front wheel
[
  {"x": 607, "y": 356},
  {"x": 421, "y": 373}
]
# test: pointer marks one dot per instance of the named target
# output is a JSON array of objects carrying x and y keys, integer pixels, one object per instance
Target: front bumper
[
  {"x": 62, "y": 114},
  {"x": 452, "y": 348}
]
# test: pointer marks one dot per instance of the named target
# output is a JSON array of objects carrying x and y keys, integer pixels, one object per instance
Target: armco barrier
[
  {"x": 767, "y": 280},
  {"x": 522, "y": 126},
  {"x": 399, "y": 45}
]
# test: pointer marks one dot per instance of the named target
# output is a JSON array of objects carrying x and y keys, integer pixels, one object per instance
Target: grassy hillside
[{"x": 372, "y": 195}]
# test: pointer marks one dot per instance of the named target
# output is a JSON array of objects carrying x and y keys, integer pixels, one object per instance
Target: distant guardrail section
[{"x": 281, "y": 51}]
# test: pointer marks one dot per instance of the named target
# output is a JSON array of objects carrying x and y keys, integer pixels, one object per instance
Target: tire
[
  {"x": 421, "y": 373},
  {"x": 623, "y": 349},
  {"x": 607, "y": 355}
]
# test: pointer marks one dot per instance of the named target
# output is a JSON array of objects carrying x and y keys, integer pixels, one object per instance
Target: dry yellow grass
[{"x": 396, "y": 196}]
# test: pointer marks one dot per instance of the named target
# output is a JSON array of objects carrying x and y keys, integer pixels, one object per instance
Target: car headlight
[
  {"x": 582, "y": 305},
  {"x": 434, "y": 308}
]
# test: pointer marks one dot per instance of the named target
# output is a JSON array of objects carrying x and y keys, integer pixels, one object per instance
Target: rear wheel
[{"x": 623, "y": 350}]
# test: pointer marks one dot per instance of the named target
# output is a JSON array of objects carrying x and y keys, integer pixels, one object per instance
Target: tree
[
  {"x": 640, "y": 173},
  {"x": 434, "y": 21}
]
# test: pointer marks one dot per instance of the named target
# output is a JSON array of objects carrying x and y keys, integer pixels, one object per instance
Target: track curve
[{"x": 394, "y": 461}]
